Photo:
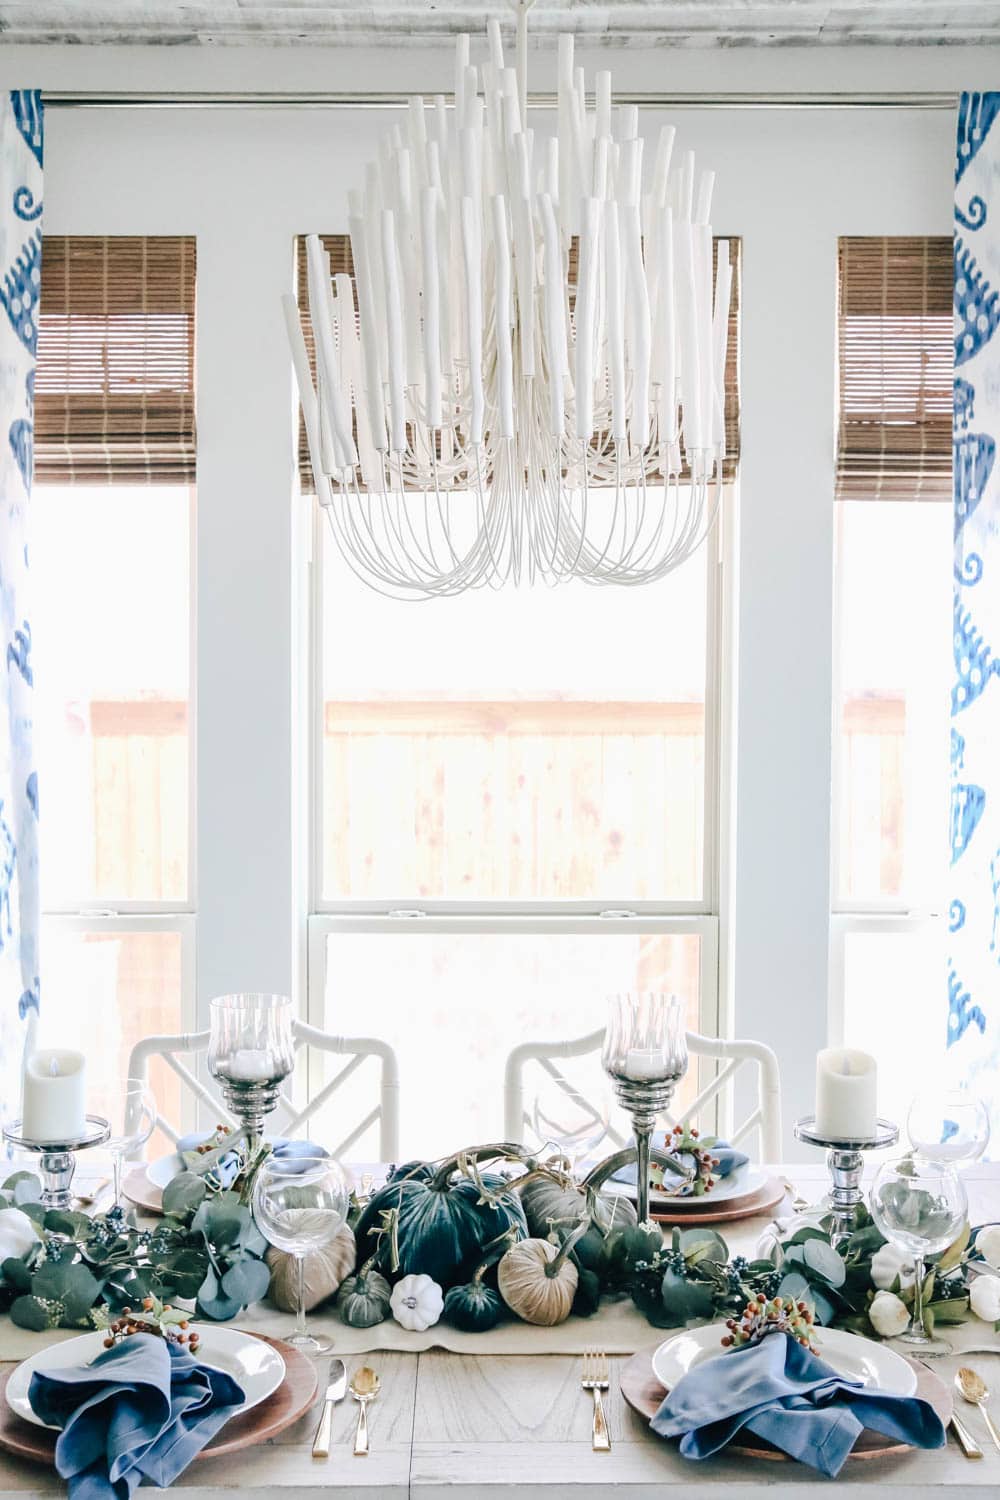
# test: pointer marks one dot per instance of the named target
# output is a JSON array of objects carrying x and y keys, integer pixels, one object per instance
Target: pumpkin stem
[
  {"x": 467, "y": 1159},
  {"x": 612, "y": 1164},
  {"x": 555, "y": 1265},
  {"x": 494, "y": 1251}
]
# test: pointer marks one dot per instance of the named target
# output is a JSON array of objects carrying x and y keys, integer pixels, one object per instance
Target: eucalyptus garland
[{"x": 206, "y": 1248}]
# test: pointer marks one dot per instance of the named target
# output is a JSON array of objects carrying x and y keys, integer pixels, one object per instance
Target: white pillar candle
[
  {"x": 251, "y": 1065},
  {"x": 53, "y": 1106},
  {"x": 646, "y": 1062},
  {"x": 846, "y": 1095}
]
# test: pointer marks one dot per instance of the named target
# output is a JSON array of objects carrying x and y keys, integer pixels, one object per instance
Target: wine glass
[
  {"x": 919, "y": 1206},
  {"x": 948, "y": 1125},
  {"x": 132, "y": 1120},
  {"x": 569, "y": 1124},
  {"x": 299, "y": 1205}
]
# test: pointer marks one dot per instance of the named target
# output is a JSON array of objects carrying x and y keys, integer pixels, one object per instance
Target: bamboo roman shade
[
  {"x": 114, "y": 392},
  {"x": 895, "y": 368},
  {"x": 339, "y": 247}
]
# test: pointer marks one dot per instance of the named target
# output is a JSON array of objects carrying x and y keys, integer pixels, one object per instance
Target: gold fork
[{"x": 595, "y": 1380}]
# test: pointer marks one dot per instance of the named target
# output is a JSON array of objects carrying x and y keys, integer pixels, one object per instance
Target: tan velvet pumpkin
[
  {"x": 538, "y": 1282},
  {"x": 323, "y": 1271}
]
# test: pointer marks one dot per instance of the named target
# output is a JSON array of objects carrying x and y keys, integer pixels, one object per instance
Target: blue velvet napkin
[
  {"x": 729, "y": 1160},
  {"x": 141, "y": 1410},
  {"x": 780, "y": 1391},
  {"x": 227, "y": 1167}
]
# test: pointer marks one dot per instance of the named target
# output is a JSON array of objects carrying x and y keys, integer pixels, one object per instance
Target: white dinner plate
[
  {"x": 855, "y": 1358},
  {"x": 257, "y": 1366},
  {"x": 740, "y": 1183}
]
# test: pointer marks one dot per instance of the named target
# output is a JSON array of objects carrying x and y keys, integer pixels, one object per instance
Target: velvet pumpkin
[
  {"x": 364, "y": 1299},
  {"x": 443, "y": 1220},
  {"x": 323, "y": 1270},
  {"x": 538, "y": 1282}
]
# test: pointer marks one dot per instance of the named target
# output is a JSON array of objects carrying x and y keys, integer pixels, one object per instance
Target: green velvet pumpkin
[
  {"x": 555, "y": 1199},
  {"x": 474, "y": 1307},
  {"x": 363, "y": 1299},
  {"x": 444, "y": 1222},
  {"x": 588, "y": 1293}
]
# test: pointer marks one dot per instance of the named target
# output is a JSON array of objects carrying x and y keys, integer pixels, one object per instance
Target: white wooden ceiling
[{"x": 625, "y": 23}]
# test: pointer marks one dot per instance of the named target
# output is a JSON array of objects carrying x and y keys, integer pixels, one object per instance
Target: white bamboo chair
[
  {"x": 287, "y": 1119},
  {"x": 764, "y": 1118}
]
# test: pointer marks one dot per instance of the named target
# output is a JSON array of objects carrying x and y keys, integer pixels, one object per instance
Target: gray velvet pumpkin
[{"x": 323, "y": 1272}]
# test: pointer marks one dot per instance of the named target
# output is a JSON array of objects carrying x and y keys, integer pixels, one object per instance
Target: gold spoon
[
  {"x": 364, "y": 1388},
  {"x": 974, "y": 1388}
]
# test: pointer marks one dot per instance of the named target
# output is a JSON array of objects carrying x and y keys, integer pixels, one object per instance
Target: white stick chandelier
[{"x": 530, "y": 384}]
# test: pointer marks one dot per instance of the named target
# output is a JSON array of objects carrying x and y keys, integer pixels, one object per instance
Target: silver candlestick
[
  {"x": 645, "y": 1056},
  {"x": 251, "y": 1052},
  {"x": 845, "y": 1161},
  {"x": 643, "y": 1099},
  {"x": 57, "y": 1159}
]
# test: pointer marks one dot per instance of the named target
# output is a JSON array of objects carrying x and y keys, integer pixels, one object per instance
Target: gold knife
[{"x": 334, "y": 1392}]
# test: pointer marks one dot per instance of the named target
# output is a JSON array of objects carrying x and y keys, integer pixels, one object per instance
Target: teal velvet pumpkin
[
  {"x": 444, "y": 1223},
  {"x": 588, "y": 1293},
  {"x": 474, "y": 1307}
]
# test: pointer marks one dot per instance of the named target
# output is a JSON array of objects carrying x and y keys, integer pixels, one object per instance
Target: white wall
[{"x": 246, "y": 180}]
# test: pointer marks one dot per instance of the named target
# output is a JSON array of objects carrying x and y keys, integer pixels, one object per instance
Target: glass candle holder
[
  {"x": 251, "y": 1051},
  {"x": 645, "y": 1056}
]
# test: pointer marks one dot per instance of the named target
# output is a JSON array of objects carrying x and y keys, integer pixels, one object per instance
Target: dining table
[{"x": 448, "y": 1424}]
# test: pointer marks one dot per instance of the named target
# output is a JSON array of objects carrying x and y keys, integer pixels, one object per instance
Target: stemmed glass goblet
[
  {"x": 298, "y": 1205},
  {"x": 566, "y": 1122},
  {"x": 948, "y": 1125},
  {"x": 132, "y": 1121},
  {"x": 919, "y": 1206}
]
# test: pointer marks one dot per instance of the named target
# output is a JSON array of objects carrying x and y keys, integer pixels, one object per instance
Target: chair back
[
  {"x": 288, "y": 1120},
  {"x": 763, "y": 1120}
]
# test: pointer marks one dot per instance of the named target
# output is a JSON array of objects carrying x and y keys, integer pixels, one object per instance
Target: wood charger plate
[
  {"x": 644, "y": 1394},
  {"x": 294, "y": 1397},
  {"x": 761, "y": 1201},
  {"x": 138, "y": 1189}
]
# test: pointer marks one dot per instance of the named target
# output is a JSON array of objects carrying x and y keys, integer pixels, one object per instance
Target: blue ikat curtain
[
  {"x": 974, "y": 914},
  {"x": 20, "y": 281}
]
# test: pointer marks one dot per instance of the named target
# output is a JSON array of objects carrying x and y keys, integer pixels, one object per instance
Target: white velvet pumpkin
[
  {"x": 323, "y": 1271},
  {"x": 17, "y": 1234},
  {"x": 538, "y": 1282},
  {"x": 416, "y": 1302}
]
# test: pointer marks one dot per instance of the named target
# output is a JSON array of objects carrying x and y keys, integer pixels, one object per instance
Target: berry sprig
[
  {"x": 763, "y": 1315},
  {"x": 685, "y": 1141},
  {"x": 158, "y": 1318}
]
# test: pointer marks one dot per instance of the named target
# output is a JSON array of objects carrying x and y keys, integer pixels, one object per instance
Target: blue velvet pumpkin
[{"x": 444, "y": 1223}]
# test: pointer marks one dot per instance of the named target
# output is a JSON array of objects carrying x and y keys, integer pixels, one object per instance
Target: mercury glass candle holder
[
  {"x": 57, "y": 1159},
  {"x": 251, "y": 1052},
  {"x": 645, "y": 1056},
  {"x": 845, "y": 1162}
]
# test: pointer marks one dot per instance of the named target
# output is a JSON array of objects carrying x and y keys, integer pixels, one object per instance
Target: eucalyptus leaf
[
  {"x": 951, "y": 1257},
  {"x": 73, "y": 1284},
  {"x": 183, "y": 1194},
  {"x": 33, "y": 1314},
  {"x": 796, "y": 1286},
  {"x": 823, "y": 1260},
  {"x": 16, "y": 1274},
  {"x": 684, "y": 1300},
  {"x": 247, "y": 1281},
  {"x": 65, "y": 1221}
]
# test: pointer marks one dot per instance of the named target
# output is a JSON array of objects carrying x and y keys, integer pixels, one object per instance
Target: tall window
[
  {"x": 112, "y": 538},
  {"x": 501, "y": 780},
  {"x": 894, "y": 528}
]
